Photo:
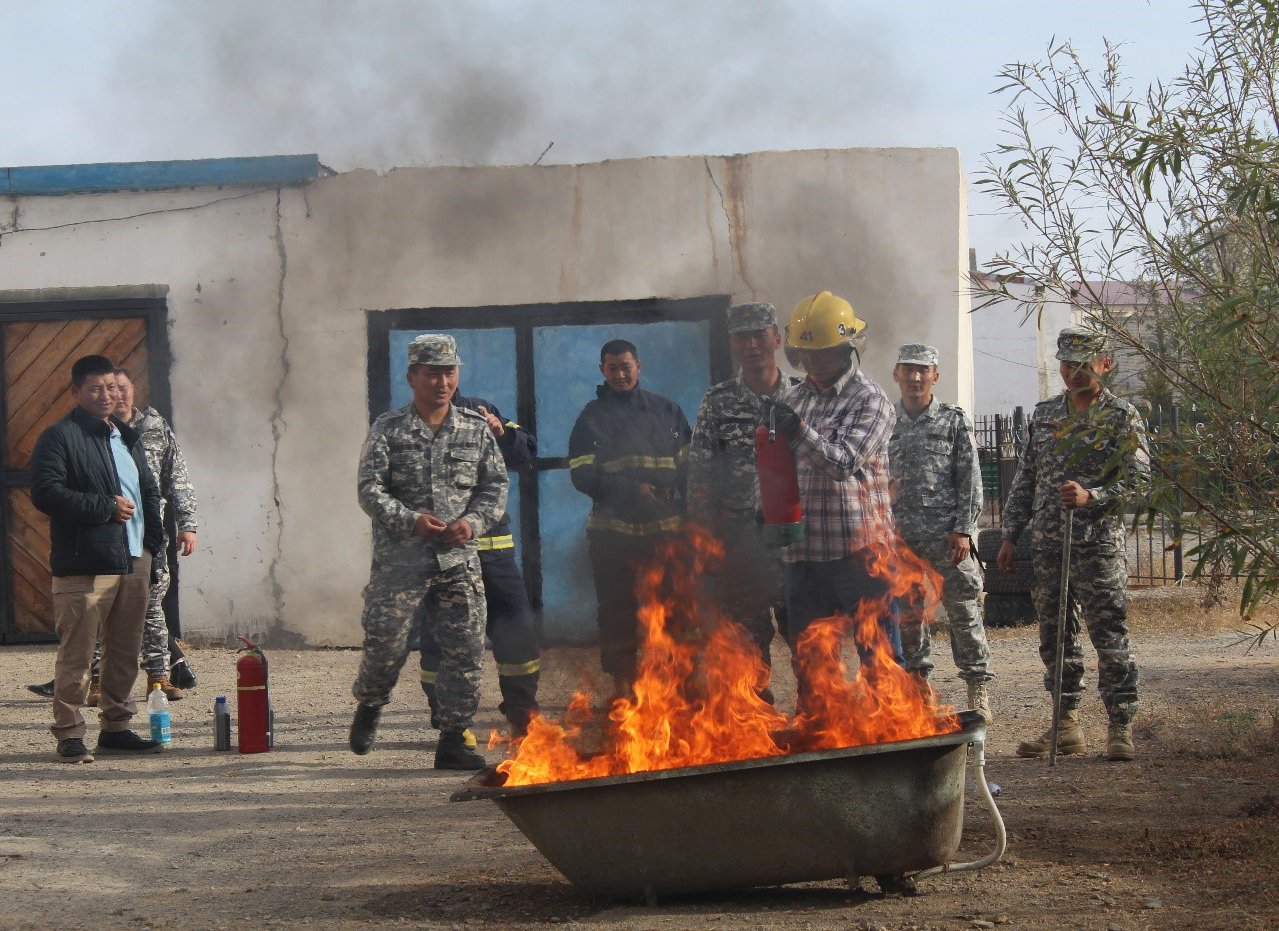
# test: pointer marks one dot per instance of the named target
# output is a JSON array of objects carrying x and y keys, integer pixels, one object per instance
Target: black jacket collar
[{"x": 95, "y": 427}]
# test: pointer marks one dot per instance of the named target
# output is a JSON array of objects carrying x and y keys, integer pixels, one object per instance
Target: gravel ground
[{"x": 310, "y": 835}]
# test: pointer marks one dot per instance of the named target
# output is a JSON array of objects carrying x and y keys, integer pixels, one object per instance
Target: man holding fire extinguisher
[
  {"x": 723, "y": 477},
  {"x": 432, "y": 479},
  {"x": 839, "y": 422}
]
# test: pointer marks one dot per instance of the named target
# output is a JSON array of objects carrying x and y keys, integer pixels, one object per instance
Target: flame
[{"x": 696, "y": 695}]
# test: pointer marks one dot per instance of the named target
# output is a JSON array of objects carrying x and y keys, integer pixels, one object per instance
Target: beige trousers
[{"x": 86, "y": 609}]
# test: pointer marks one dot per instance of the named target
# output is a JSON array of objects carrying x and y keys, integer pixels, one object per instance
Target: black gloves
[{"x": 780, "y": 415}]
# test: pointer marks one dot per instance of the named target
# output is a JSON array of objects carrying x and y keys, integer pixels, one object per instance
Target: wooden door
[{"x": 36, "y": 370}]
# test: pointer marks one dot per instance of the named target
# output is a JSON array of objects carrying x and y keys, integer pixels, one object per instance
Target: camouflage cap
[
  {"x": 917, "y": 354},
  {"x": 1079, "y": 344},
  {"x": 434, "y": 349},
  {"x": 758, "y": 315}
]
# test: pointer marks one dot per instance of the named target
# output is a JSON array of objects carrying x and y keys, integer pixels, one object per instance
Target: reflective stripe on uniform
[
  {"x": 638, "y": 462},
  {"x": 519, "y": 669},
  {"x": 635, "y": 530},
  {"x": 429, "y": 677},
  {"x": 503, "y": 542},
  {"x": 579, "y": 461}
]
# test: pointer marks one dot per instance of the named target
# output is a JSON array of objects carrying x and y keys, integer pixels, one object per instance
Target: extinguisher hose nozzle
[{"x": 772, "y": 424}]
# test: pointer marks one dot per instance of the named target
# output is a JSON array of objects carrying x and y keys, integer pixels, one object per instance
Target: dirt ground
[{"x": 310, "y": 835}]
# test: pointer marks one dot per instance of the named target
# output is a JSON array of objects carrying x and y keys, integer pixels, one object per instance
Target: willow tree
[{"x": 1174, "y": 190}]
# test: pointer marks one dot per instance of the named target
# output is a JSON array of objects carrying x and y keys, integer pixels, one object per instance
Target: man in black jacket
[
  {"x": 89, "y": 474},
  {"x": 628, "y": 451}
]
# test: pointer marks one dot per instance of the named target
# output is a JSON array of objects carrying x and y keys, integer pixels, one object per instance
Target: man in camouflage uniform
[
  {"x": 723, "y": 476},
  {"x": 161, "y": 654},
  {"x": 1086, "y": 452},
  {"x": 511, "y": 627},
  {"x": 432, "y": 479},
  {"x": 932, "y": 455}
]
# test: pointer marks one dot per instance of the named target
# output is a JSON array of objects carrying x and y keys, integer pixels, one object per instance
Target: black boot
[
  {"x": 433, "y": 703},
  {"x": 519, "y": 701},
  {"x": 364, "y": 728},
  {"x": 453, "y": 753}
]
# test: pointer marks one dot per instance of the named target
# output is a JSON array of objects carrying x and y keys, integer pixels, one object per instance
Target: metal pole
[
  {"x": 1178, "y": 567},
  {"x": 1059, "y": 658}
]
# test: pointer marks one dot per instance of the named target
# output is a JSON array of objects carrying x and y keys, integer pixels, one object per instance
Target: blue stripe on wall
[{"x": 138, "y": 176}]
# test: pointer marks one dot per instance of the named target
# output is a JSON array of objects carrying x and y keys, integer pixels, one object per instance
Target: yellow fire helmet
[{"x": 822, "y": 321}]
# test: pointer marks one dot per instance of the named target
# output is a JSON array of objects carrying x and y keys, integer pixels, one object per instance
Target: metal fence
[{"x": 1155, "y": 551}]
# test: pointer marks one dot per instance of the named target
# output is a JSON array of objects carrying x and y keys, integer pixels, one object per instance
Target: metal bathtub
[{"x": 884, "y": 810}]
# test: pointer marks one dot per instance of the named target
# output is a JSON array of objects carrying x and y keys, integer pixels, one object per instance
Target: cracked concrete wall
[
  {"x": 221, "y": 268},
  {"x": 269, "y": 295}
]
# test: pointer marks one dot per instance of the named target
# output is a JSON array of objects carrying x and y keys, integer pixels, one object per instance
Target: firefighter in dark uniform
[
  {"x": 510, "y": 625},
  {"x": 628, "y": 451}
]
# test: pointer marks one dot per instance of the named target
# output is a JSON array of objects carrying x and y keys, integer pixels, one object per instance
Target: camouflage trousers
[
  {"x": 961, "y": 584},
  {"x": 155, "y": 630},
  {"x": 1098, "y": 592},
  {"x": 748, "y": 588},
  {"x": 453, "y": 611}
]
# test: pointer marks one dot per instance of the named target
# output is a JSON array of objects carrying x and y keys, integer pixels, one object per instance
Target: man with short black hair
[
  {"x": 628, "y": 452},
  {"x": 90, "y": 475}
]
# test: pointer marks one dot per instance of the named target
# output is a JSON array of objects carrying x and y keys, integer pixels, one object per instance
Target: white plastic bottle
[{"x": 158, "y": 706}]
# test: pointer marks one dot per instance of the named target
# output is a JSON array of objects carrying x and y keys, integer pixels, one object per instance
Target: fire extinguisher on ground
[
  {"x": 778, "y": 485},
  {"x": 254, "y": 716}
]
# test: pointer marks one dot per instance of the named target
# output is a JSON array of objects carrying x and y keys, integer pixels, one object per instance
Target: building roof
[{"x": 156, "y": 176}]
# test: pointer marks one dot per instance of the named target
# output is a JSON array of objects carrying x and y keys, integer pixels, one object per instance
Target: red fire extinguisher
[
  {"x": 253, "y": 700},
  {"x": 778, "y": 485}
]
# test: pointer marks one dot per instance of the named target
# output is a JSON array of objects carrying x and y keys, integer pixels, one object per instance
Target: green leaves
[{"x": 1172, "y": 193}]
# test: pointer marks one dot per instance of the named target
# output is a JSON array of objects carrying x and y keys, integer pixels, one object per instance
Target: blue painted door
[
  {"x": 540, "y": 366},
  {"x": 675, "y": 357}
]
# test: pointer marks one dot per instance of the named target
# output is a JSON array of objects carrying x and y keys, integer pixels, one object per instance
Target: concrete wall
[{"x": 268, "y": 292}]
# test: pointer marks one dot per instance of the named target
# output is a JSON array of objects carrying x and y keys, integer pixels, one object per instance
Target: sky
[{"x": 385, "y": 83}]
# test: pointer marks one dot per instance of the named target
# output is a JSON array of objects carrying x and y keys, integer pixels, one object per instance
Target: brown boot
[
  {"x": 171, "y": 691},
  {"x": 95, "y": 692},
  {"x": 979, "y": 700},
  {"x": 1070, "y": 738},
  {"x": 1119, "y": 743}
]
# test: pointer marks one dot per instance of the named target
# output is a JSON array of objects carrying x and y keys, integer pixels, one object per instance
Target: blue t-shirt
[{"x": 131, "y": 488}]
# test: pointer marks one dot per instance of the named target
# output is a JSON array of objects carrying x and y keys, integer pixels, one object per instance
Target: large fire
[{"x": 696, "y": 696}]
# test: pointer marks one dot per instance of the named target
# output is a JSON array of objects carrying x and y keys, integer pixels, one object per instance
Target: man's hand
[
  {"x": 457, "y": 533},
  {"x": 124, "y": 509},
  {"x": 1004, "y": 560},
  {"x": 648, "y": 492},
  {"x": 1073, "y": 495},
  {"x": 958, "y": 547},
  {"x": 186, "y": 542},
  {"x": 428, "y": 525},
  {"x": 495, "y": 424},
  {"x": 781, "y": 415}
]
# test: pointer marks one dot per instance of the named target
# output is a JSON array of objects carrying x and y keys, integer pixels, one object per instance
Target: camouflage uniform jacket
[
  {"x": 407, "y": 470},
  {"x": 1103, "y": 448},
  {"x": 723, "y": 475},
  {"x": 936, "y": 476},
  {"x": 164, "y": 456}
]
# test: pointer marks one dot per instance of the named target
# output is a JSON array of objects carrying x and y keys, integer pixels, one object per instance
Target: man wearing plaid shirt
[{"x": 840, "y": 423}]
